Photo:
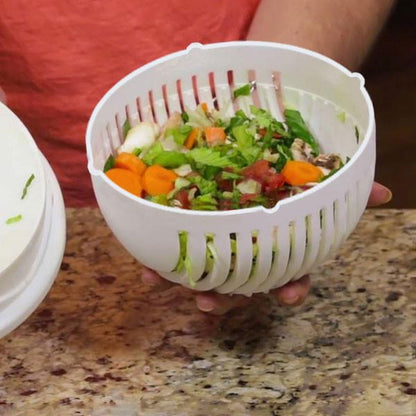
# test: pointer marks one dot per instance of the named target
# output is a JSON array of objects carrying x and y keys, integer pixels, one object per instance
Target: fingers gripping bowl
[{"x": 249, "y": 250}]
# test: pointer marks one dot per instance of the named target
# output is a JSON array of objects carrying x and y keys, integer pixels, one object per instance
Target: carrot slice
[
  {"x": 191, "y": 139},
  {"x": 299, "y": 172},
  {"x": 130, "y": 162},
  {"x": 214, "y": 135},
  {"x": 126, "y": 179},
  {"x": 158, "y": 181},
  {"x": 204, "y": 106}
]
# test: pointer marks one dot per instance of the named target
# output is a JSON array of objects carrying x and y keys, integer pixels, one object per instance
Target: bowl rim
[{"x": 353, "y": 75}]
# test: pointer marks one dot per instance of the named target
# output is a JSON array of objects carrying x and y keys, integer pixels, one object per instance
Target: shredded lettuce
[
  {"x": 184, "y": 262},
  {"x": 211, "y": 253}
]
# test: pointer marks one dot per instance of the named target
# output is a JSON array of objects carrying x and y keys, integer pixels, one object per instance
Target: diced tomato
[
  {"x": 225, "y": 184},
  {"x": 277, "y": 195},
  {"x": 275, "y": 135},
  {"x": 273, "y": 181},
  {"x": 182, "y": 197},
  {"x": 226, "y": 204},
  {"x": 258, "y": 170},
  {"x": 263, "y": 173},
  {"x": 244, "y": 198}
]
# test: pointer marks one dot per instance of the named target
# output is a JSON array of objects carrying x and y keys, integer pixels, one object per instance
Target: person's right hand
[{"x": 379, "y": 195}]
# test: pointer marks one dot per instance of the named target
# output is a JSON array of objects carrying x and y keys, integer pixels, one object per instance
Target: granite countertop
[{"x": 102, "y": 344}]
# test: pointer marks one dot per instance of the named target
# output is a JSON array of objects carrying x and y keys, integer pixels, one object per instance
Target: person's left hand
[{"x": 292, "y": 294}]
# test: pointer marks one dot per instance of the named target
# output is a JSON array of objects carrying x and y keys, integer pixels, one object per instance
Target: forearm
[{"x": 344, "y": 30}]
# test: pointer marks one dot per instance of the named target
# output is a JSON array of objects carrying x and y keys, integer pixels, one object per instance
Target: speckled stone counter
[{"x": 102, "y": 344}]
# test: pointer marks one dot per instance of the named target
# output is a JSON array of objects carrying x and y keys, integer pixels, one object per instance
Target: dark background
[{"x": 390, "y": 73}]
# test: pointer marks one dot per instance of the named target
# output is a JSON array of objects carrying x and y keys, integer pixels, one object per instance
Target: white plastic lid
[
  {"x": 21, "y": 207},
  {"x": 32, "y": 224}
]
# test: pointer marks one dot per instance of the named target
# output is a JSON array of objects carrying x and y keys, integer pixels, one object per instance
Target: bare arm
[{"x": 344, "y": 30}]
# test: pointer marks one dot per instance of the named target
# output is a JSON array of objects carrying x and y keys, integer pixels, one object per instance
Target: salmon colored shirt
[{"x": 57, "y": 59}]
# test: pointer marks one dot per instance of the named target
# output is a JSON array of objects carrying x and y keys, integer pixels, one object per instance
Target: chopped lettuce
[
  {"x": 205, "y": 202},
  {"x": 169, "y": 159},
  {"x": 205, "y": 186},
  {"x": 153, "y": 151},
  {"x": 179, "y": 134},
  {"x": 210, "y": 157}
]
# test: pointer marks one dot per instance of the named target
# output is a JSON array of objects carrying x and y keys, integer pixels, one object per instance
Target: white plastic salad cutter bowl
[{"x": 292, "y": 238}]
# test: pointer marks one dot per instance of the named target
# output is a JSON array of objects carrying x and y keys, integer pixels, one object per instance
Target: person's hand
[{"x": 292, "y": 294}]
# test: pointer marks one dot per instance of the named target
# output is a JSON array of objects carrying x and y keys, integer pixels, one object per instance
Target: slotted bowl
[{"x": 293, "y": 237}]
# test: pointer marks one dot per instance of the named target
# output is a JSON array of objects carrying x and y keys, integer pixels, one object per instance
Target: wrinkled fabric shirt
[{"x": 58, "y": 58}]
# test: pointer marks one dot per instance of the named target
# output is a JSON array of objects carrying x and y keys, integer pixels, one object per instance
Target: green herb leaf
[
  {"x": 298, "y": 128},
  {"x": 170, "y": 159},
  {"x": 109, "y": 164},
  {"x": 185, "y": 117},
  {"x": 27, "y": 184},
  {"x": 13, "y": 220},
  {"x": 244, "y": 90},
  {"x": 208, "y": 172},
  {"x": 136, "y": 151},
  {"x": 284, "y": 155},
  {"x": 208, "y": 157},
  {"x": 126, "y": 127},
  {"x": 357, "y": 134}
]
